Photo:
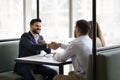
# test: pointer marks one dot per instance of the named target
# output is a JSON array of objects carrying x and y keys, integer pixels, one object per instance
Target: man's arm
[
  {"x": 42, "y": 41},
  {"x": 28, "y": 42},
  {"x": 69, "y": 52}
]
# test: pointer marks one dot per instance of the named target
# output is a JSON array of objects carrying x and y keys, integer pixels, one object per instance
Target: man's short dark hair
[
  {"x": 35, "y": 20},
  {"x": 83, "y": 26}
]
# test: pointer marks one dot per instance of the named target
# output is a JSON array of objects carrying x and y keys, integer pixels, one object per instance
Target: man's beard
[{"x": 35, "y": 31}]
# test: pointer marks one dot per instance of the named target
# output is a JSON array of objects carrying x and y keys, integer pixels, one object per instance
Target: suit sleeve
[
  {"x": 47, "y": 50},
  {"x": 26, "y": 42}
]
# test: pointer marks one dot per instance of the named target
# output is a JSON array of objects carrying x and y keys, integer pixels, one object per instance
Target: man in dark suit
[{"x": 32, "y": 43}]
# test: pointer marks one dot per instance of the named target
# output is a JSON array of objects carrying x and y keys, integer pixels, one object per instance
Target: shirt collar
[
  {"x": 83, "y": 36},
  {"x": 34, "y": 35}
]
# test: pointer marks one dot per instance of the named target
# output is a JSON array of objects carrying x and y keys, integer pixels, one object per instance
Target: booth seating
[
  {"x": 108, "y": 64},
  {"x": 8, "y": 53}
]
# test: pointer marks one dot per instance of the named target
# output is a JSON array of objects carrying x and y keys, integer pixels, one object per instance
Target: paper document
[{"x": 46, "y": 55}]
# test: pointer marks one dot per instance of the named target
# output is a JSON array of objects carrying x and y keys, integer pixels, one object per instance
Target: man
[
  {"x": 78, "y": 50},
  {"x": 32, "y": 43}
]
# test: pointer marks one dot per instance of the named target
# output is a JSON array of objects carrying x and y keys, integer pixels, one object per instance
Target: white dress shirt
[
  {"x": 78, "y": 50},
  {"x": 36, "y": 37}
]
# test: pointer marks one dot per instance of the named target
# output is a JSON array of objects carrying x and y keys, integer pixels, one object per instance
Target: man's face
[
  {"x": 76, "y": 31},
  {"x": 36, "y": 28}
]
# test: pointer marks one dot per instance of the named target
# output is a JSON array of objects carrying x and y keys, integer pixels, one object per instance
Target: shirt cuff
[
  {"x": 47, "y": 46},
  {"x": 63, "y": 46}
]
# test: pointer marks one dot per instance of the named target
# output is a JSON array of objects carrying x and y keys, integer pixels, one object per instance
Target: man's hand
[
  {"x": 42, "y": 42},
  {"x": 54, "y": 54},
  {"x": 54, "y": 45}
]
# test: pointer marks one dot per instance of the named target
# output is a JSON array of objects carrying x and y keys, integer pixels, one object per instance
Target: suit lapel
[{"x": 32, "y": 38}]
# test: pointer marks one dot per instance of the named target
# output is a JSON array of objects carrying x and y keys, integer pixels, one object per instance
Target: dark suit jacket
[{"x": 29, "y": 47}]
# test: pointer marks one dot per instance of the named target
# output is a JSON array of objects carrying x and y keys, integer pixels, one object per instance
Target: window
[
  {"x": 11, "y": 18},
  {"x": 108, "y": 13},
  {"x": 55, "y": 19},
  {"x": 84, "y": 9},
  {"x": 30, "y": 13}
]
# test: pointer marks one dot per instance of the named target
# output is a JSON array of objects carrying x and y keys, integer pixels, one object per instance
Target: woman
[{"x": 100, "y": 42}]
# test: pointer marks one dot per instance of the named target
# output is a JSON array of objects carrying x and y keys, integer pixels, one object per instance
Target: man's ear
[{"x": 78, "y": 31}]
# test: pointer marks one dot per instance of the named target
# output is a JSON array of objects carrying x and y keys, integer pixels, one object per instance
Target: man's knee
[{"x": 72, "y": 73}]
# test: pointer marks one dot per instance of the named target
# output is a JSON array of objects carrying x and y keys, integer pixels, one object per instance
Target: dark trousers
[{"x": 28, "y": 72}]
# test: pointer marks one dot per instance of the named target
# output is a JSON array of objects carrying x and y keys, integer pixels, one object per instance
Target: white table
[{"x": 44, "y": 59}]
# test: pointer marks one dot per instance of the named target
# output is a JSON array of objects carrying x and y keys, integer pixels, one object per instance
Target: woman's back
[{"x": 100, "y": 42}]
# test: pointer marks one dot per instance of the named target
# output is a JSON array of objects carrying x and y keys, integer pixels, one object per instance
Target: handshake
[{"x": 54, "y": 45}]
